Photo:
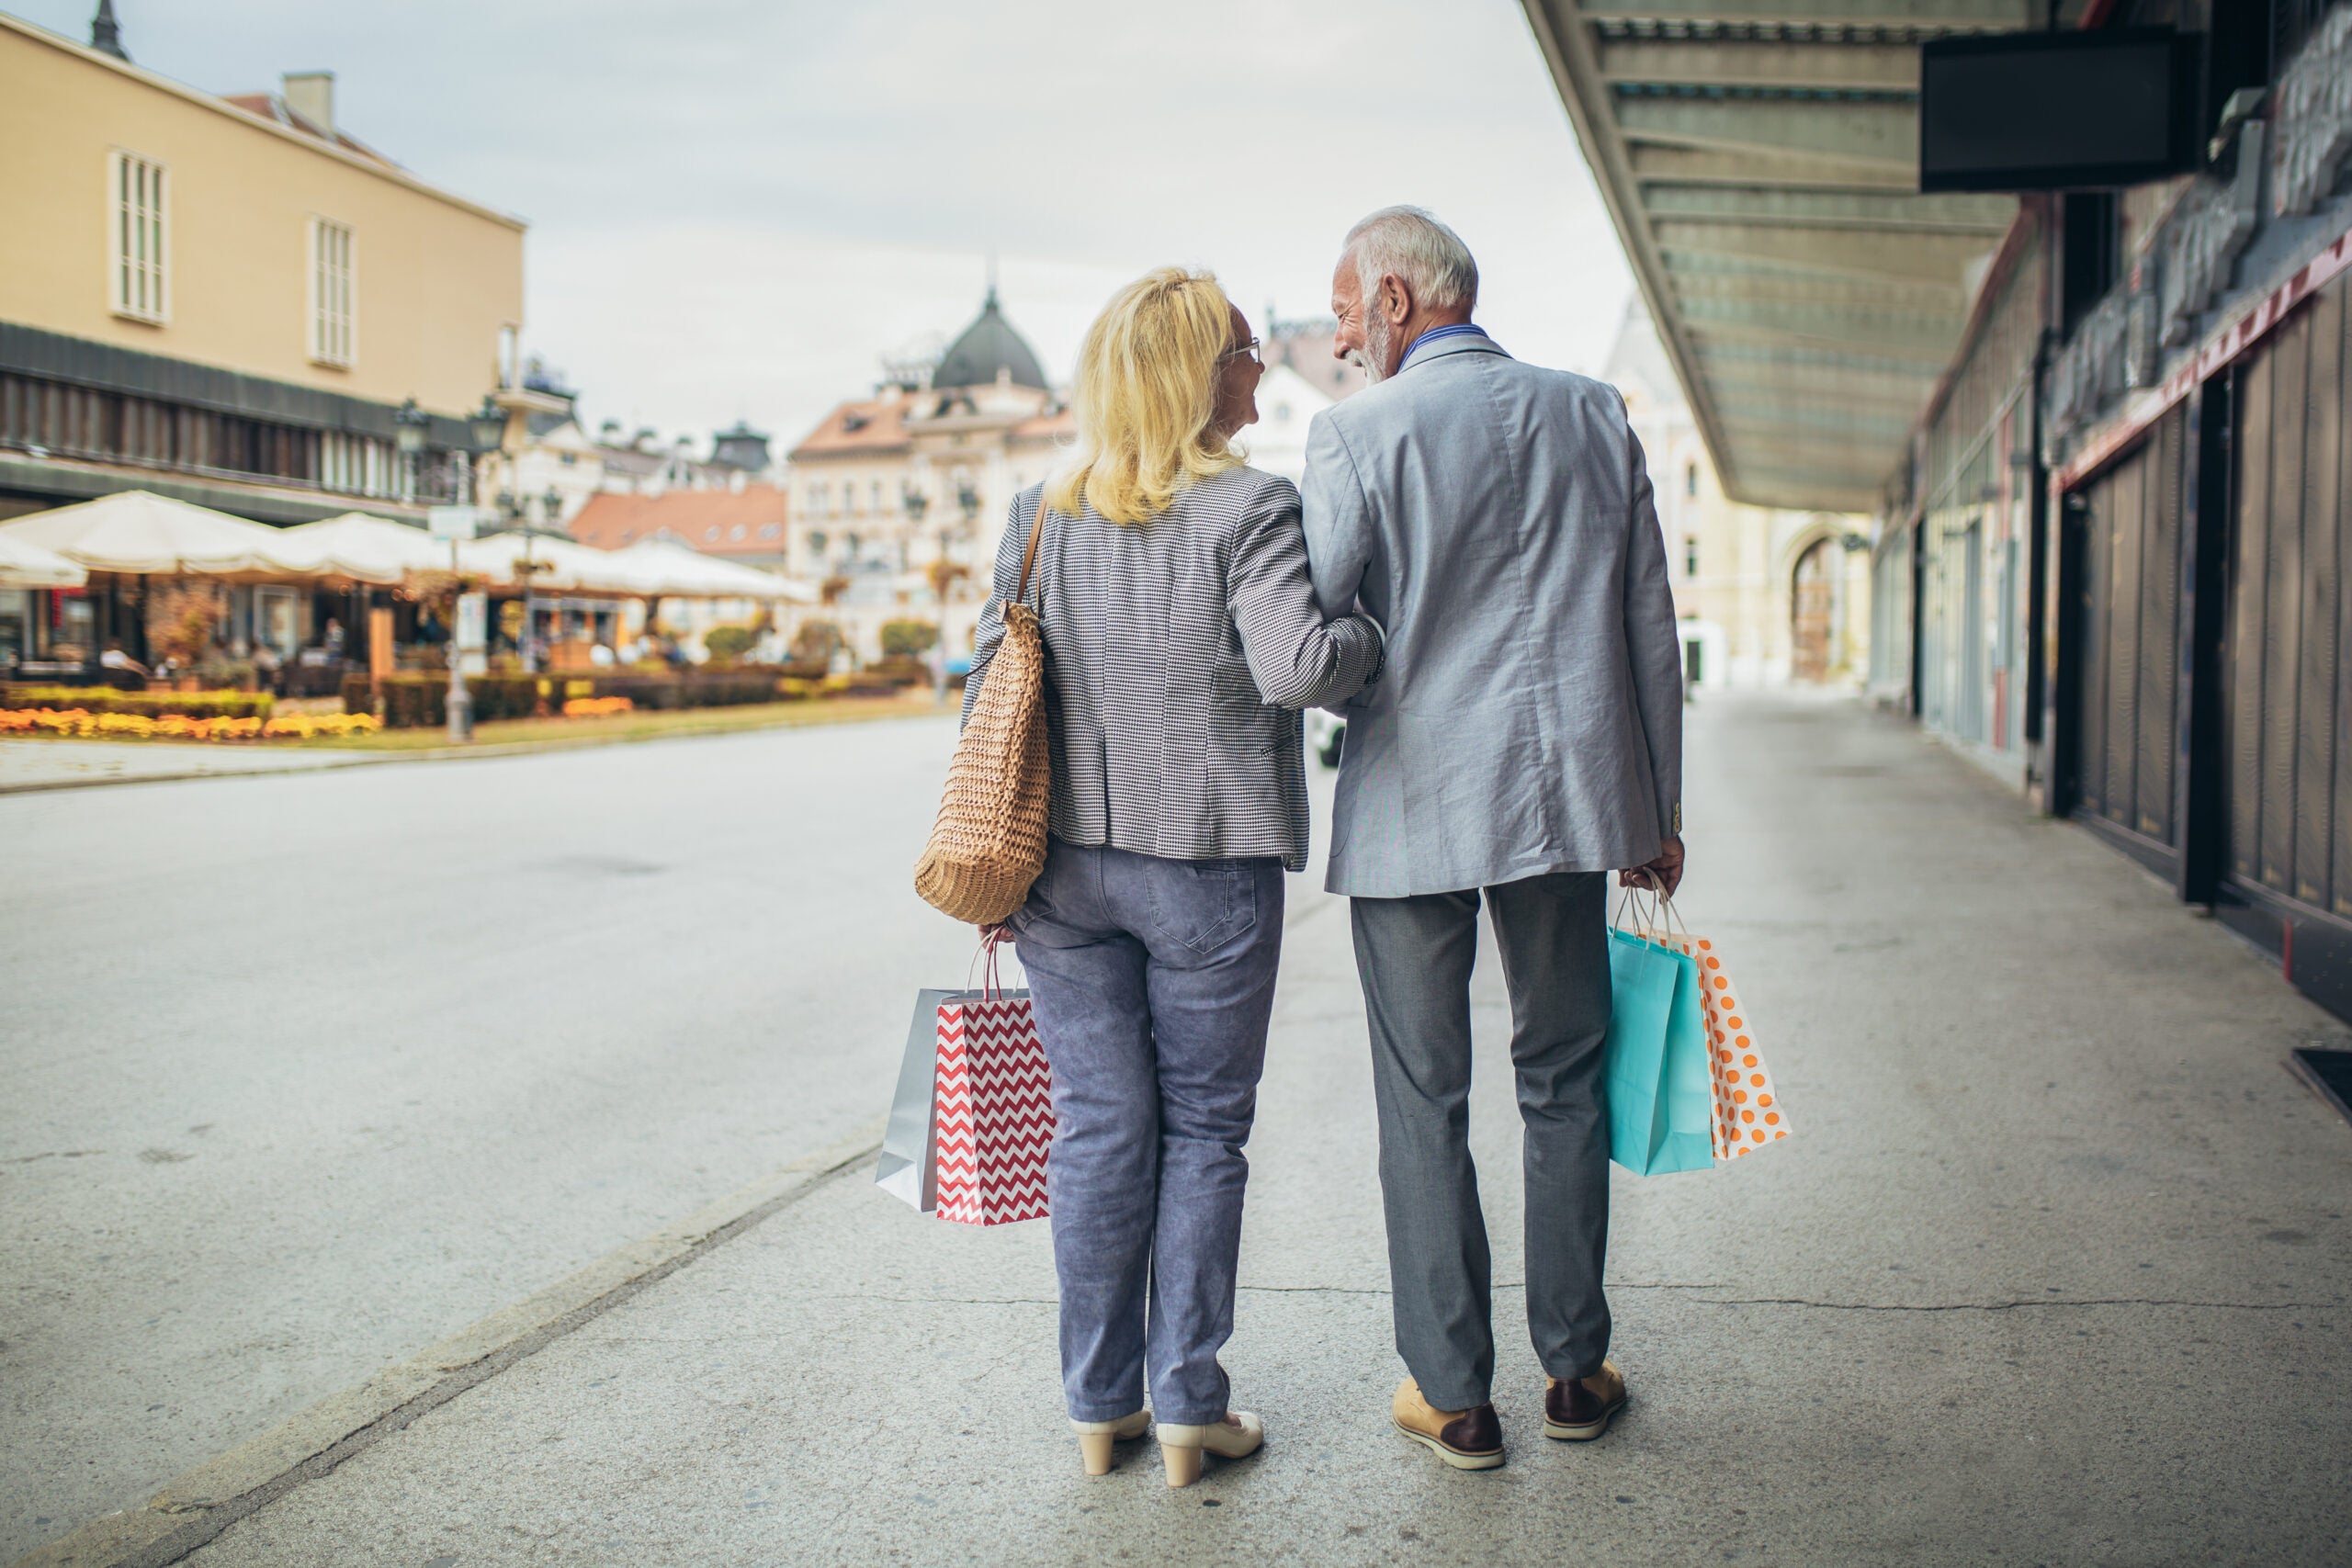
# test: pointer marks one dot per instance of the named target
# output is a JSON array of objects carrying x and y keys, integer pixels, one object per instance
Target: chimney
[
  {"x": 311, "y": 95},
  {"x": 106, "y": 35}
]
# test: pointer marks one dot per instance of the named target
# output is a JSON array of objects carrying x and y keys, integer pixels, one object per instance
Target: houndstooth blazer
[{"x": 1178, "y": 652}]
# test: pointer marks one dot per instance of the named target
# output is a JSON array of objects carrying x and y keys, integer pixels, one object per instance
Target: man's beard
[{"x": 1373, "y": 355}]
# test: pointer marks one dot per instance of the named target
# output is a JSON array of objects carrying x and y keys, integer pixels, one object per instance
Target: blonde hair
[{"x": 1145, "y": 398}]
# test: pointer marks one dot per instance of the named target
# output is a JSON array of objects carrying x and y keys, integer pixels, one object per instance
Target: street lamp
[
  {"x": 487, "y": 424},
  {"x": 487, "y": 428},
  {"x": 409, "y": 425}
]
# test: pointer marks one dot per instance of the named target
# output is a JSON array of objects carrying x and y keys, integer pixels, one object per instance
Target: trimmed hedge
[
  {"x": 727, "y": 644},
  {"x": 417, "y": 701},
  {"x": 899, "y": 670},
  {"x": 152, "y": 705},
  {"x": 689, "y": 689}
]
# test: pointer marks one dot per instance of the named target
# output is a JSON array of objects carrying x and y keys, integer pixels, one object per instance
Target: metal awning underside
[{"x": 1759, "y": 158}]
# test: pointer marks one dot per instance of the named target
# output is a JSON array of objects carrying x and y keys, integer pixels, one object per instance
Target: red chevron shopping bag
[{"x": 995, "y": 1107}]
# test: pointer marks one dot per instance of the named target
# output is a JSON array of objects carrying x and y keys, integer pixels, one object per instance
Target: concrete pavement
[
  {"x": 2055, "y": 1271},
  {"x": 64, "y": 764},
  {"x": 305, "y": 1072}
]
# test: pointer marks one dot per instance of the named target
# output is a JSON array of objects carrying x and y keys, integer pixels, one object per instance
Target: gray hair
[{"x": 1410, "y": 242}]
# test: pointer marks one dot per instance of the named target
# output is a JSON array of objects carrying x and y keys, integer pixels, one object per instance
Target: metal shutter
[
  {"x": 2290, "y": 612},
  {"x": 2131, "y": 635}
]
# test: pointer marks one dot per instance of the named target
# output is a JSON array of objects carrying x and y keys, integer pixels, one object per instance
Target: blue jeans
[{"x": 1153, "y": 982}]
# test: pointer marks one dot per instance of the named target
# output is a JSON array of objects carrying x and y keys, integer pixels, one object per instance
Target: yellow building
[
  {"x": 228, "y": 300},
  {"x": 1766, "y": 595}
]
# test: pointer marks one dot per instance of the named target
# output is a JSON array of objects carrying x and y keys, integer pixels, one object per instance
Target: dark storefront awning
[{"x": 1758, "y": 159}]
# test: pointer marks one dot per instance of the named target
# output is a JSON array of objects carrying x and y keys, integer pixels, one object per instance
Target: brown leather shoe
[
  {"x": 1466, "y": 1439},
  {"x": 1578, "y": 1410}
]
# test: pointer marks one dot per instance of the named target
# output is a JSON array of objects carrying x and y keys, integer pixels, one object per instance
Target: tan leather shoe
[
  {"x": 1095, "y": 1438},
  {"x": 1578, "y": 1410},
  {"x": 1180, "y": 1447},
  {"x": 1466, "y": 1439}
]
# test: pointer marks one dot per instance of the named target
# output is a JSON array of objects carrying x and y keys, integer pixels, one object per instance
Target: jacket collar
[{"x": 1452, "y": 343}]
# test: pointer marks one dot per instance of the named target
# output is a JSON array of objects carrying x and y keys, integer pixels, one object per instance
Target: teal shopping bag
[{"x": 1661, "y": 1106}]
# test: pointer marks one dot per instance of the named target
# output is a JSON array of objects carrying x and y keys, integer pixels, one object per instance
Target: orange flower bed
[
  {"x": 596, "y": 707},
  {"x": 82, "y": 725}
]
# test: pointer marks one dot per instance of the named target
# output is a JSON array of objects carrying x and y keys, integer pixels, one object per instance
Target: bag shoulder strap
[{"x": 1029, "y": 555}]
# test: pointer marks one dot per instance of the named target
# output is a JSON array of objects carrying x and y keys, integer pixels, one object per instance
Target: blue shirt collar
[{"x": 1438, "y": 334}]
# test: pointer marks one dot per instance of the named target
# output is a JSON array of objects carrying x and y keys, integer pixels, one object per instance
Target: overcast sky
[{"x": 738, "y": 206}]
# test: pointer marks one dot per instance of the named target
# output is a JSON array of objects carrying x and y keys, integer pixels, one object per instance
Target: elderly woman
[{"x": 1180, "y": 634}]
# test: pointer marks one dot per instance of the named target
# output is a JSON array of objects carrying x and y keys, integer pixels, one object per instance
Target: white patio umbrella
[
  {"x": 364, "y": 548},
  {"x": 24, "y": 564},
  {"x": 139, "y": 532},
  {"x": 682, "y": 572},
  {"x": 563, "y": 567}
]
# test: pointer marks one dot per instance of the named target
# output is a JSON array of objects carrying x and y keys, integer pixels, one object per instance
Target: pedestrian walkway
[
  {"x": 2054, "y": 1270},
  {"x": 63, "y": 764}
]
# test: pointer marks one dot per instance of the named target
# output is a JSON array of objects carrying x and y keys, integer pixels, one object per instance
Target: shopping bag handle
[
  {"x": 991, "y": 986},
  {"x": 1662, "y": 915}
]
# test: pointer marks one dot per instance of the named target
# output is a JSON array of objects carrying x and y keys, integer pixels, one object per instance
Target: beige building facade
[{"x": 227, "y": 298}]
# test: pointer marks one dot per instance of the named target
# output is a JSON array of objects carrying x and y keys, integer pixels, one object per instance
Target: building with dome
[{"x": 899, "y": 499}]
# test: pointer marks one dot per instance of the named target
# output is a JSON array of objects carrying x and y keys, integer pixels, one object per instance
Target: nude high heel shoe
[
  {"x": 1095, "y": 1438},
  {"x": 1181, "y": 1448}
]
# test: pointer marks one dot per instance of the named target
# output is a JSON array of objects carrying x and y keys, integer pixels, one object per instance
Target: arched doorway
[{"x": 1812, "y": 611}]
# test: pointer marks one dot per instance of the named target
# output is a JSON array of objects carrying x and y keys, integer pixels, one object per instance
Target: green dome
[{"x": 989, "y": 346}]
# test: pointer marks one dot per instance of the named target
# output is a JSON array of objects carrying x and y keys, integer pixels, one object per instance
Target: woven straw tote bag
[{"x": 989, "y": 843}]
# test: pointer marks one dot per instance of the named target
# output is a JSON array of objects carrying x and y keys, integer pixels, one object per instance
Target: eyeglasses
[{"x": 1252, "y": 348}]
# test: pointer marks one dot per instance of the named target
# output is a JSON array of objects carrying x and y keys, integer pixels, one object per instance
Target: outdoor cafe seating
[{"x": 89, "y": 589}]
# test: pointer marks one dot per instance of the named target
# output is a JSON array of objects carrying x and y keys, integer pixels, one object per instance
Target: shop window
[
  {"x": 15, "y": 624},
  {"x": 140, "y": 285}
]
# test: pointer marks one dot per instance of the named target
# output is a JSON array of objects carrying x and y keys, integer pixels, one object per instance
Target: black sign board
[{"x": 2057, "y": 111}]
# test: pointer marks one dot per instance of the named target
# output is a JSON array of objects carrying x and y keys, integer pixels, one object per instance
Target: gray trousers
[
  {"x": 1414, "y": 957},
  {"x": 1153, "y": 982}
]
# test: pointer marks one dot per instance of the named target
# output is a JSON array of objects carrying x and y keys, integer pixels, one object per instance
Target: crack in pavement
[
  {"x": 2020, "y": 1304},
  {"x": 2017, "y": 1305}
]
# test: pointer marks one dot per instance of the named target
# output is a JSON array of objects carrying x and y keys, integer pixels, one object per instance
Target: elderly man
[{"x": 1524, "y": 739}]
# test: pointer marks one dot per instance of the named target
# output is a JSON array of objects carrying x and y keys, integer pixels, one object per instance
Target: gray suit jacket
[{"x": 1496, "y": 518}]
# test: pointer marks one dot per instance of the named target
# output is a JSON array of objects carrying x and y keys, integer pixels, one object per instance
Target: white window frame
[
  {"x": 334, "y": 272},
  {"x": 139, "y": 237}
]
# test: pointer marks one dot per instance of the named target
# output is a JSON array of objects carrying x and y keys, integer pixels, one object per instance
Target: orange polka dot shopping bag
[{"x": 1687, "y": 1084}]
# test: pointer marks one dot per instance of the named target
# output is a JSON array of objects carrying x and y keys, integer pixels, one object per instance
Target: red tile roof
[
  {"x": 715, "y": 522},
  {"x": 870, "y": 426},
  {"x": 271, "y": 108}
]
